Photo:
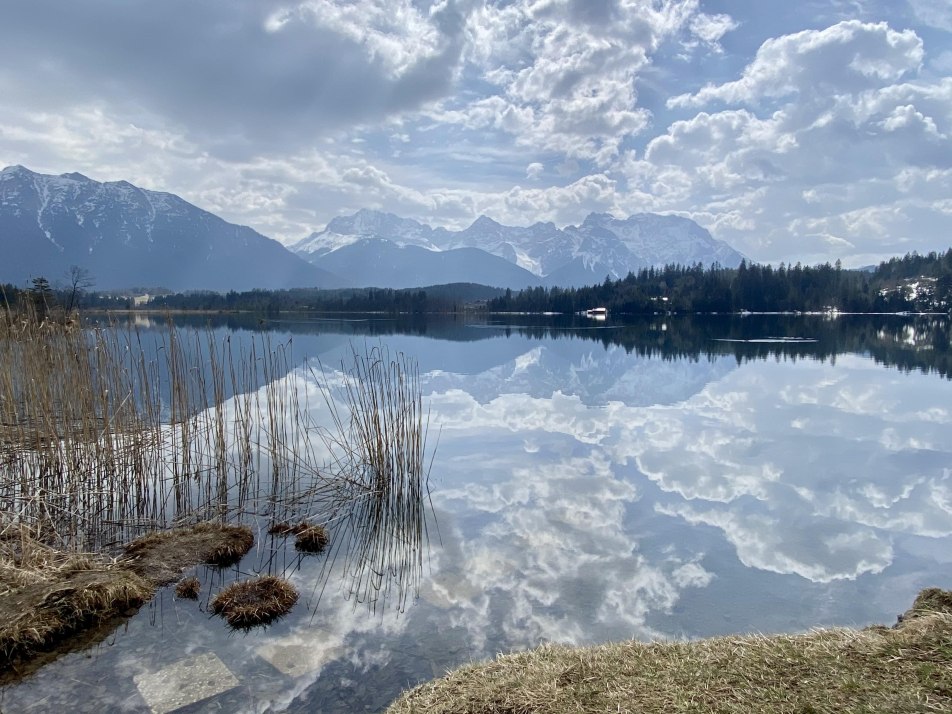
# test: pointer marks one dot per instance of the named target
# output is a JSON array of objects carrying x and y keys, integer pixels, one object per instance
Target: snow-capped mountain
[
  {"x": 126, "y": 236},
  {"x": 576, "y": 255},
  {"x": 344, "y": 230},
  {"x": 381, "y": 263}
]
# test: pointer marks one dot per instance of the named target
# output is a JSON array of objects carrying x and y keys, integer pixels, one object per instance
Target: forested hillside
[
  {"x": 918, "y": 283},
  {"x": 914, "y": 282}
]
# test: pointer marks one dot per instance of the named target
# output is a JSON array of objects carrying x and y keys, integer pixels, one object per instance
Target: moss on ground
[{"x": 899, "y": 670}]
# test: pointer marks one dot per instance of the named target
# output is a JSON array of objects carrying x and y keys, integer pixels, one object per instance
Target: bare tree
[{"x": 79, "y": 280}]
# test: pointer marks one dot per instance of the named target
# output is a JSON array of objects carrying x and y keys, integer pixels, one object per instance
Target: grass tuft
[
  {"x": 284, "y": 528},
  {"x": 928, "y": 601},
  {"x": 162, "y": 556},
  {"x": 311, "y": 539},
  {"x": 255, "y": 602},
  {"x": 188, "y": 588},
  {"x": 897, "y": 670}
]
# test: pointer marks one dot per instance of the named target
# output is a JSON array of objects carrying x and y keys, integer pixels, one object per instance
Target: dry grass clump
[
  {"x": 46, "y": 595},
  {"x": 896, "y": 671},
  {"x": 928, "y": 601},
  {"x": 312, "y": 539},
  {"x": 162, "y": 556},
  {"x": 188, "y": 588},
  {"x": 255, "y": 602},
  {"x": 283, "y": 528},
  {"x": 308, "y": 538}
]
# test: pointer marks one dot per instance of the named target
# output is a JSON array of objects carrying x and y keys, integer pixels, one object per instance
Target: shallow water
[{"x": 664, "y": 478}]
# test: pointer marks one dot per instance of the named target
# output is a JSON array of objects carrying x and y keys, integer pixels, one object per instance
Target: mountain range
[
  {"x": 127, "y": 236},
  {"x": 544, "y": 254}
]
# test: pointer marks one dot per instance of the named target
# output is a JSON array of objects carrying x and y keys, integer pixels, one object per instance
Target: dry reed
[
  {"x": 109, "y": 433},
  {"x": 378, "y": 443},
  {"x": 99, "y": 443}
]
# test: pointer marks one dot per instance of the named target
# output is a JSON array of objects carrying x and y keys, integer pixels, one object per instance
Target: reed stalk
[
  {"x": 378, "y": 445},
  {"x": 100, "y": 443}
]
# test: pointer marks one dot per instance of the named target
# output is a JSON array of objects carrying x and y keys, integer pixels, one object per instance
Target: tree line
[
  {"x": 915, "y": 283},
  {"x": 910, "y": 283}
]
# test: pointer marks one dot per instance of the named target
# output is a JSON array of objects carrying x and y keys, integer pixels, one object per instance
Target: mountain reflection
[
  {"x": 908, "y": 342},
  {"x": 662, "y": 478},
  {"x": 577, "y": 524}
]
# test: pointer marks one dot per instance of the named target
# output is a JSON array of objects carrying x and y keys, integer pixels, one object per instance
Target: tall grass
[
  {"x": 100, "y": 443},
  {"x": 378, "y": 443}
]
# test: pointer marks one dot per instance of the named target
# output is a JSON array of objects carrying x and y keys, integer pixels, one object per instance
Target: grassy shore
[
  {"x": 898, "y": 670},
  {"x": 48, "y": 596}
]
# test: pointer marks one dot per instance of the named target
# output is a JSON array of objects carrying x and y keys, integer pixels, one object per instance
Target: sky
[{"x": 809, "y": 131}]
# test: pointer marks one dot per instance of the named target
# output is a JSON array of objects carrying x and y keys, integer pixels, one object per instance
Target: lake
[{"x": 592, "y": 481}]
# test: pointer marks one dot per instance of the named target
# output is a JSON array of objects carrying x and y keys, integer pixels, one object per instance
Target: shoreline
[
  {"x": 53, "y": 601},
  {"x": 893, "y": 670}
]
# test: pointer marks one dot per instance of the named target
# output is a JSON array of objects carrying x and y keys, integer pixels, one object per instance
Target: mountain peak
[
  {"x": 124, "y": 238},
  {"x": 368, "y": 221},
  {"x": 575, "y": 255},
  {"x": 598, "y": 219},
  {"x": 485, "y": 222},
  {"x": 15, "y": 169}
]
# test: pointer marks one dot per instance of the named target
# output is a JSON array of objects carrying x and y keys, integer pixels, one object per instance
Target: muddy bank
[{"x": 161, "y": 557}]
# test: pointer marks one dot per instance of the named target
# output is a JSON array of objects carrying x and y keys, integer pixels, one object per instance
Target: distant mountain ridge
[
  {"x": 378, "y": 262},
  {"x": 125, "y": 236},
  {"x": 573, "y": 256}
]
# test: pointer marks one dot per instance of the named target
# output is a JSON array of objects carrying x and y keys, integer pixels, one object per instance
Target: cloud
[
  {"x": 792, "y": 166},
  {"x": 592, "y": 193},
  {"x": 799, "y": 141},
  {"x": 848, "y": 57},
  {"x": 568, "y": 68},
  {"x": 240, "y": 76},
  {"x": 936, "y": 13},
  {"x": 711, "y": 28}
]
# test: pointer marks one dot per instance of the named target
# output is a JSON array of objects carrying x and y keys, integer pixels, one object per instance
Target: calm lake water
[{"x": 594, "y": 481}]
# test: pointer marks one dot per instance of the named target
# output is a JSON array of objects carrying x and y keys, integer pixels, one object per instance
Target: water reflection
[
  {"x": 472, "y": 344},
  {"x": 638, "y": 481}
]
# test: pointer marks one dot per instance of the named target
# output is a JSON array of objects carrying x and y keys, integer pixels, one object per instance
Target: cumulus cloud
[
  {"x": 828, "y": 129},
  {"x": 848, "y": 57},
  {"x": 711, "y": 28},
  {"x": 568, "y": 68},
  {"x": 241, "y": 74},
  {"x": 796, "y": 144}
]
